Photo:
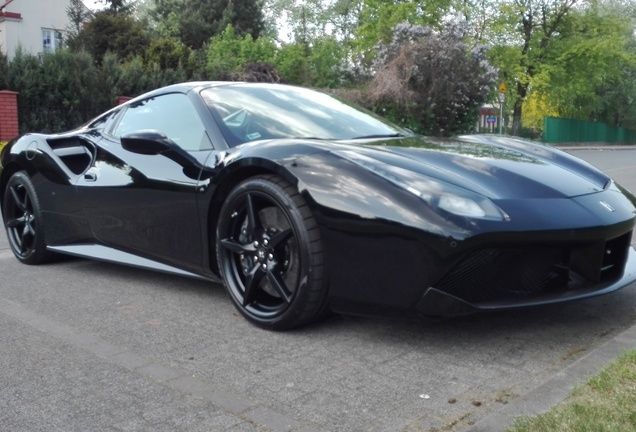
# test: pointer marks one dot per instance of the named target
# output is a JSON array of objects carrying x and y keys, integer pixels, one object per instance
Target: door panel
[
  {"x": 146, "y": 204},
  {"x": 151, "y": 211}
]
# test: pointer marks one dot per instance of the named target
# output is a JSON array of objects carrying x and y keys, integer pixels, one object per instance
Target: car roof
[{"x": 184, "y": 87}]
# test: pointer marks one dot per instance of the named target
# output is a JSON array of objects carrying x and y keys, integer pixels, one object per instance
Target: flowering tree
[{"x": 435, "y": 79}]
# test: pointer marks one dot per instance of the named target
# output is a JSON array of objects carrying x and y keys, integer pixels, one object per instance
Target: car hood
[{"x": 493, "y": 166}]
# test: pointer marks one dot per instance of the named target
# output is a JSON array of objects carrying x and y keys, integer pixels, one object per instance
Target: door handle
[{"x": 90, "y": 176}]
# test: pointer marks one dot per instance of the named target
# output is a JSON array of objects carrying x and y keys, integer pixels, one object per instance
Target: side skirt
[{"x": 103, "y": 253}]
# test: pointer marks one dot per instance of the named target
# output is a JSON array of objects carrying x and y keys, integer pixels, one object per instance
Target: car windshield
[{"x": 249, "y": 112}]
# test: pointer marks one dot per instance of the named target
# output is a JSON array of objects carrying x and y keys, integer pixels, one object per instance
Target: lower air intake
[{"x": 521, "y": 274}]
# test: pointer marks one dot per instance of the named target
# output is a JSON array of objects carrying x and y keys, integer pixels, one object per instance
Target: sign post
[{"x": 502, "y": 99}]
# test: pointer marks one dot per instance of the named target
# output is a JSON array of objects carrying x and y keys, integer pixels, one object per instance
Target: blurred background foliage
[{"x": 426, "y": 65}]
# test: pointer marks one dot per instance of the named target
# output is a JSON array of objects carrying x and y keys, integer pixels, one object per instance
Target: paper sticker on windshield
[{"x": 253, "y": 136}]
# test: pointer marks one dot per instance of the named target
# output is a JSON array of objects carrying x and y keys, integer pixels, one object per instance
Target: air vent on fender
[{"x": 75, "y": 153}]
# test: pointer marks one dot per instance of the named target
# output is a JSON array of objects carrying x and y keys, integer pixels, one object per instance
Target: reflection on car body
[{"x": 302, "y": 204}]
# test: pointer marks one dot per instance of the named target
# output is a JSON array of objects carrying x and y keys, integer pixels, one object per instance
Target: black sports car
[{"x": 302, "y": 203}]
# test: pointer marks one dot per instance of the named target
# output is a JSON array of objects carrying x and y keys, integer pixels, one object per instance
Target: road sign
[
  {"x": 491, "y": 119},
  {"x": 502, "y": 97},
  {"x": 502, "y": 87}
]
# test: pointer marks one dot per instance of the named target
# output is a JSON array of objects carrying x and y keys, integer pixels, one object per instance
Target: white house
[{"x": 38, "y": 26}]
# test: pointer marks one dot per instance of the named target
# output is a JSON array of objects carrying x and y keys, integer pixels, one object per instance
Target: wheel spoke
[
  {"x": 17, "y": 200},
  {"x": 26, "y": 232},
  {"x": 27, "y": 203},
  {"x": 29, "y": 228},
  {"x": 254, "y": 226},
  {"x": 237, "y": 247},
  {"x": 279, "y": 285},
  {"x": 280, "y": 237},
  {"x": 14, "y": 223},
  {"x": 252, "y": 282},
  {"x": 21, "y": 238}
]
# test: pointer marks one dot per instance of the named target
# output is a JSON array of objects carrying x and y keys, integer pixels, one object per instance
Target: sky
[{"x": 93, "y": 4}]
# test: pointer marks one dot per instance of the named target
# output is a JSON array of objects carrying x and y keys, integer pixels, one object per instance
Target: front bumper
[{"x": 559, "y": 282}]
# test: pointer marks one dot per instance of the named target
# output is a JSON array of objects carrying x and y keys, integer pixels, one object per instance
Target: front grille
[{"x": 522, "y": 274}]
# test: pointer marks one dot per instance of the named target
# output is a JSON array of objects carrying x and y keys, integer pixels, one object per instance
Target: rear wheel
[
  {"x": 23, "y": 221},
  {"x": 270, "y": 254}
]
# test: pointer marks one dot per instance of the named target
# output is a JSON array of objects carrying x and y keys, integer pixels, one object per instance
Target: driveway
[{"x": 94, "y": 346}]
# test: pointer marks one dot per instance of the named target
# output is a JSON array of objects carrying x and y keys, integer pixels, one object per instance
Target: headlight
[{"x": 444, "y": 196}]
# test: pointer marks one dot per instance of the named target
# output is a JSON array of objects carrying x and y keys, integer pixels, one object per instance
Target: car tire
[
  {"x": 23, "y": 221},
  {"x": 270, "y": 254}
]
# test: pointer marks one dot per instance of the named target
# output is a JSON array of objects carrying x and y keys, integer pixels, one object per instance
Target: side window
[
  {"x": 172, "y": 114},
  {"x": 103, "y": 120}
]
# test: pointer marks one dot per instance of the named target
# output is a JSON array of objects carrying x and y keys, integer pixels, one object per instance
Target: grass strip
[{"x": 606, "y": 403}]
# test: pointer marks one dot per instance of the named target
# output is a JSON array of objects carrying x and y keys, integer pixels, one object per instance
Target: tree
[
  {"x": 593, "y": 65},
  {"x": 433, "y": 79},
  {"x": 378, "y": 18},
  {"x": 327, "y": 60},
  {"x": 228, "y": 52},
  {"x": 117, "y": 33},
  {"x": 524, "y": 30},
  {"x": 199, "y": 20},
  {"x": 167, "y": 53},
  {"x": 304, "y": 19},
  {"x": 78, "y": 16},
  {"x": 293, "y": 66},
  {"x": 318, "y": 49},
  {"x": 344, "y": 18},
  {"x": 4, "y": 68},
  {"x": 133, "y": 79},
  {"x": 115, "y": 5}
]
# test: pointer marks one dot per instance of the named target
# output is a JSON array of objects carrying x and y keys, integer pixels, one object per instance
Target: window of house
[{"x": 51, "y": 40}]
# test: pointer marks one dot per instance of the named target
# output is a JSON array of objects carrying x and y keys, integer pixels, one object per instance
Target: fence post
[{"x": 8, "y": 115}]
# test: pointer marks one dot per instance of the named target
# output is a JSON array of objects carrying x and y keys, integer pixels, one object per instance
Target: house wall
[
  {"x": 27, "y": 31},
  {"x": 10, "y": 32}
]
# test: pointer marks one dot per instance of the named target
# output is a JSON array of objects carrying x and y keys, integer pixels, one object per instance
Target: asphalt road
[{"x": 90, "y": 346}]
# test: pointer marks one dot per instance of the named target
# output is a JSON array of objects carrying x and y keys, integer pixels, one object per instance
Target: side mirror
[
  {"x": 152, "y": 142},
  {"x": 147, "y": 142}
]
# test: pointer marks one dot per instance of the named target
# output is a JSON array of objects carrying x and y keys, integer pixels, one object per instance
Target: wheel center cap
[{"x": 261, "y": 254}]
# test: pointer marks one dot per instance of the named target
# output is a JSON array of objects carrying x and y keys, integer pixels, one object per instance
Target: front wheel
[
  {"x": 270, "y": 254},
  {"x": 23, "y": 221}
]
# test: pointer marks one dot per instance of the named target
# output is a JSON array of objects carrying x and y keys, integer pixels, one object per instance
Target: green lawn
[{"x": 607, "y": 402}]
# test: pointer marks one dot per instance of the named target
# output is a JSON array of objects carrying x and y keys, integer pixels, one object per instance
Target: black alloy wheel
[
  {"x": 270, "y": 254},
  {"x": 23, "y": 221}
]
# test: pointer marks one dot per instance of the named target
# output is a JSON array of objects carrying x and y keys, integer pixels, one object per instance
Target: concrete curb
[{"x": 558, "y": 388}]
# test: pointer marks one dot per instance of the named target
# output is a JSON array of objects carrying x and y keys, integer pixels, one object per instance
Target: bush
[
  {"x": 435, "y": 80},
  {"x": 63, "y": 90},
  {"x": 228, "y": 52},
  {"x": 56, "y": 93}
]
